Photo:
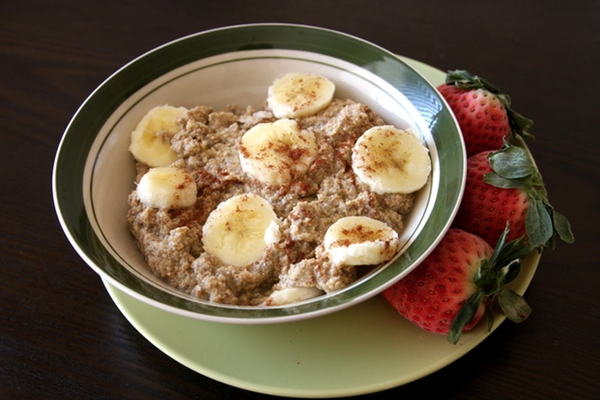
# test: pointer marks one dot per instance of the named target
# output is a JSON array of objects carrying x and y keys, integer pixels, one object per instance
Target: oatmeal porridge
[{"x": 210, "y": 147}]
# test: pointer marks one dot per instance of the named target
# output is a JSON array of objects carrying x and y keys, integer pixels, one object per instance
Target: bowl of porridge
[{"x": 259, "y": 173}]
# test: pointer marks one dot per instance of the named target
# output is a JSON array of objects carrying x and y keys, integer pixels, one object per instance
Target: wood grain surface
[{"x": 61, "y": 336}]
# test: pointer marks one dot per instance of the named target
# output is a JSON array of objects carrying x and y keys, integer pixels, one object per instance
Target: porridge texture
[{"x": 207, "y": 146}]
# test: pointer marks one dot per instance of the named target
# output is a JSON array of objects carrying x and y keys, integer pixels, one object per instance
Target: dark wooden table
[{"x": 61, "y": 336}]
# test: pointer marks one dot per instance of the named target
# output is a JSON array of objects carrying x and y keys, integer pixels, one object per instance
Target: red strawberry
[
  {"x": 483, "y": 113},
  {"x": 503, "y": 187},
  {"x": 448, "y": 292}
]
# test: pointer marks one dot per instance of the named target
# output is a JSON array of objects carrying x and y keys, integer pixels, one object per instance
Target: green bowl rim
[{"x": 72, "y": 154}]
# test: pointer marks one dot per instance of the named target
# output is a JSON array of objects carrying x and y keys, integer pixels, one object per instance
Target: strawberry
[
  {"x": 484, "y": 115},
  {"x": 449, "y": 292},
  {"x": 503, "y": 186}
]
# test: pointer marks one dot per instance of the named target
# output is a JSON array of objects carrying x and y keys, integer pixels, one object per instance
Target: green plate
[
  {"x": 360, "y": 350},
  {"x": 93, "y": 171}
]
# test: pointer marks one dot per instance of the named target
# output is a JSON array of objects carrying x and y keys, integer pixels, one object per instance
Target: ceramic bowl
[{"x": 94, "y": 172}]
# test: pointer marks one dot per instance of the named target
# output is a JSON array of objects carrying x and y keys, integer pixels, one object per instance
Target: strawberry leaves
[
  {"x": 513, "y": 305},
  {"x": 465, "y": 315},
  {"x": 464, "y": 80},
  {"x": 562, "y": 228},
  {"x": 512, "y": 168},
  {"x": 491, "y": 279}
]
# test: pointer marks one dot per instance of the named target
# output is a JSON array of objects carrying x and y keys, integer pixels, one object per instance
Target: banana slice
[
  {"x": 292, "y": 295},
  {"x": 277, "y": 153},
  {"x": 273, "y": 232},
  {"x": 299, "y": 94},
  {"x": 148, "y": 145},
  {"x": 360, "y": 241},
  {"x": 235, "y": 231},
  {"x": 167, "y": 187},
  {"x": 390, "y": 160}
]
